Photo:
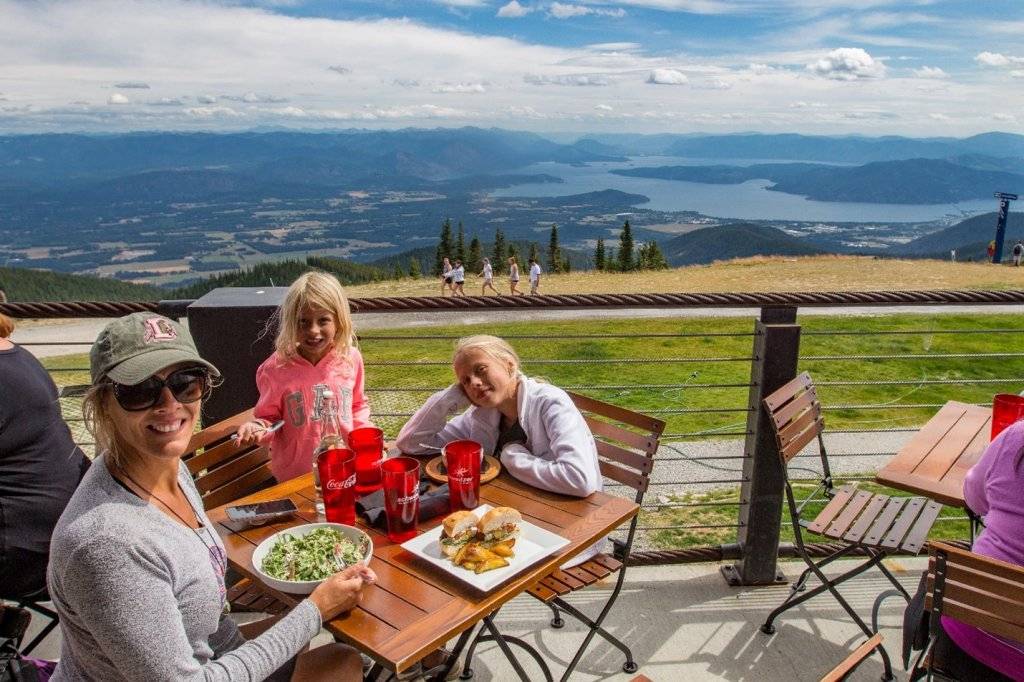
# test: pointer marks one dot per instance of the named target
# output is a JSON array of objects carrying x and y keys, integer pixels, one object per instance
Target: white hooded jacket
[{"x": 559, "y": 454}]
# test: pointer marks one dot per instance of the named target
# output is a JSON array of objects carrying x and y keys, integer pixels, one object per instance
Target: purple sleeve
[{"x": 1000, "y": 452}]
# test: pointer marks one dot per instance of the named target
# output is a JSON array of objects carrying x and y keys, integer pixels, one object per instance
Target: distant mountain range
[
  {"x": 969, "y": 238},
  {"x": 910, "y": 181}
]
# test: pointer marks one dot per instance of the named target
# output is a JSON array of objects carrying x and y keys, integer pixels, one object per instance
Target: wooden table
[
  {"x": 938, "y": 457},
  {"x": 415, "y": 607}
]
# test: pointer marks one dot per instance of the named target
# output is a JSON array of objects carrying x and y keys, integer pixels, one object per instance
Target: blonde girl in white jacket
[{"x": 534, "y": 428}]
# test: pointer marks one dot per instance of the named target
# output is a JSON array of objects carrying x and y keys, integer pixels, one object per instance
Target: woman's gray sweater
[{"x": 141, "y": 596}]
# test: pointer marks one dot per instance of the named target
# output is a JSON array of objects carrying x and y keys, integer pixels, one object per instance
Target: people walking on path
[
  {"x": 991, "y": 250},
  {"x": 513, "y": 276},
  {"x": 488, "y": 275},
  {"x": 446, "y": 277},
  {"x": 534, "y": 276},
  {"x": 1018, "y": 253},
  {"x": 458, "y": 279}
]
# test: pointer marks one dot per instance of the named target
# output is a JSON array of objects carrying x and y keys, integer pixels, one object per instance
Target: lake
[{"x": 750, "y": 200}]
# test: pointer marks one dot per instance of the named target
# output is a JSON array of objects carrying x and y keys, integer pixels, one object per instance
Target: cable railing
[{"x": 879, "y": 379}]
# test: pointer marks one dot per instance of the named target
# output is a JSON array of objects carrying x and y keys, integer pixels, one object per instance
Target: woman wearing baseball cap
[{"x": 136, "y": 569}]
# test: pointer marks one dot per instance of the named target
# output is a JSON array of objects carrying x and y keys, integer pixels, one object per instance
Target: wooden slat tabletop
[
  {"x": 415, "y": 607},
  {"x": 938, "y": 457}
]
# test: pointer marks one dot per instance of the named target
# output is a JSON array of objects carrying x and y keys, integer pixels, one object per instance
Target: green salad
[{"x": 314, "y": 556}]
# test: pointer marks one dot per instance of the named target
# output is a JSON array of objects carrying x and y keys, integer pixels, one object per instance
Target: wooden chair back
[
  {"x": 795, "y": 415},
  {"x": 976, "y": 590},
  {"x": 856, "y": 657},
  {"x": 224, "y": 470},
  {"x": 626, "y": 441}
]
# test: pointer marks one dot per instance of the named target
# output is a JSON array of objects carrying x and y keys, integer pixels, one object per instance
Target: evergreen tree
[
  {"x": 610, "y": 261},
  {"x": 599, "y": 255},
  {"x": 513, "y": 252},
  {"x": 460, "y": 244},
  {"x": 444, "y": 246},
  {"x": 398, "y": 272},
  {"x": 626, "y": 248},
  {"x": 655, "y": 257},
  {"x": 475, "y": 255},
  {"x": 499, "y": 255},
  {"x": 554, "y": 251},
  {"x": 534, "y": 252},
  {"x": 414, "y": 268},
  {"x": 566, "y": 266}
]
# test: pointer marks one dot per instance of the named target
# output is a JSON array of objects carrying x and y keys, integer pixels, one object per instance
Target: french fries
[{"x": 475, "y": 557}]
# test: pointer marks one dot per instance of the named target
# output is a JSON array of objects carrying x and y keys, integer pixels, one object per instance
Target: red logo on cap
[{"x": 159, "y": 329}]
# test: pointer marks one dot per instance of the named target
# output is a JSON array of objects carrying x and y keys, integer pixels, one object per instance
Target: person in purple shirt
[{"x": 992, "y": 489}]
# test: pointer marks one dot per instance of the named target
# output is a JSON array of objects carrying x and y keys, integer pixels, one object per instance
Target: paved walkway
[{"x": 685, "y": 623}]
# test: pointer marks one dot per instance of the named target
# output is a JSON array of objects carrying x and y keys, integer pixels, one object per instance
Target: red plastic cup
[
  {"x": 368, "y": 442},
  {"x": 462, "y": 462},
  {"x": 337, "y": 468},
  {"x": 401, "y": 497},
  {"x": 1006, "y": 409}
]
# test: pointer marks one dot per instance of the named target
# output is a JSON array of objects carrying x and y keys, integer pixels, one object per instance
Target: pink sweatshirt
[{"x": 292, "y": 390}]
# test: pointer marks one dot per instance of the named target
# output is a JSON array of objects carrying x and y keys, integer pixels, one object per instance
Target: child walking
[{"x": 313, "y": 353}]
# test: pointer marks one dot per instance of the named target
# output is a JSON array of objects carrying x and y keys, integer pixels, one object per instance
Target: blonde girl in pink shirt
[{"x": 314, "y": 353}]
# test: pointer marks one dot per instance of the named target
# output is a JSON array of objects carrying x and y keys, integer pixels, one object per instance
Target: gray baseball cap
[{"x": 133, "y": 348}]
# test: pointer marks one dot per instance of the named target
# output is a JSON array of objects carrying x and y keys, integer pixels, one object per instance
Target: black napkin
[{"x": 432, "y": 504}]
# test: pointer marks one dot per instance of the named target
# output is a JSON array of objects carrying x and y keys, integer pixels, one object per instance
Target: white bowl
[{"x": 302, "y": 586}]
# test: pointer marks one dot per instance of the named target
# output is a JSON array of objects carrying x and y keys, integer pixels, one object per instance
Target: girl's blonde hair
[
  {"x": 99, "y": 420},
  {"x": 315, "y": 290},
  {"x": 6, "y": 326},
  {"x": 492, "y": 346}
]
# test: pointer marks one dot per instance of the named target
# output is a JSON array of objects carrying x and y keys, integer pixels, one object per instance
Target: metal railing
[{"x": 698, "y": 379}]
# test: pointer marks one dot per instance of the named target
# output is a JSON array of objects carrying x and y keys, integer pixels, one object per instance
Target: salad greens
[{"x": 315, "y": 556}]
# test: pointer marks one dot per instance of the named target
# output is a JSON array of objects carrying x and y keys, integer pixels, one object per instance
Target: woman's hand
[
  {"x": 341, "y": 592},
  {"x": 249, "y": 433}
]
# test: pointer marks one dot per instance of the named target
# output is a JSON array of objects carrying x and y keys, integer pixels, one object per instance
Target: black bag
[
  {"x": 13, "y": 668},
  {"x": 915, "y": 622}
]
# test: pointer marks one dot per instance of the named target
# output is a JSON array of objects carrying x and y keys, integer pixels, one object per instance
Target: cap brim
[{"x": 137, "y": 369}]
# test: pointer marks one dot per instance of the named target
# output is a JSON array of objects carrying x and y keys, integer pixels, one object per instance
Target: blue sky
[{"x": 872, "y": 67}]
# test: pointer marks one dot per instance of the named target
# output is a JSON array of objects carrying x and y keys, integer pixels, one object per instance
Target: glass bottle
[{"x": 330, "y": 438}]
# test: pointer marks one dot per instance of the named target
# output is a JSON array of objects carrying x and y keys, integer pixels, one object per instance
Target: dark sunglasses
[{"x": 186, "y": 385}]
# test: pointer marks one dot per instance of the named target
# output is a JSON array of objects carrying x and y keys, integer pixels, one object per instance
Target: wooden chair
[
  {"x": 626, "y": 444},
  {"x": 876, "y": 524},
  {"x": 224, "y": 471},
  {"x": 856, "y": 657},
  {"x": 977, "y": 590}
]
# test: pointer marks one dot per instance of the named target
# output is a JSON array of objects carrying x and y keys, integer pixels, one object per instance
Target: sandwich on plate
[
  {"x": 499, "y": 526},
  {"x": 457, "y": 530}
]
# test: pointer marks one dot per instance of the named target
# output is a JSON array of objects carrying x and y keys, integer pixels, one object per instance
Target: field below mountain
[{"x": 805, "y": 273}]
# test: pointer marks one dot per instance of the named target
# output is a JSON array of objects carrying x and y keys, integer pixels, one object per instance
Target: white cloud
[
  {"x": 560, "y": 10},
  {"x": 847, "y": 63},
  {"x": 568, "y": 79},
  {"x": 997, "y": 59},
  {"x": 460, "y": 88},
  {"x": 603, "y": 107},
  {"x": 930, "y": 72},
  {"x": 513, "y": 10},
  {"x": 339, "y": 69},
  {"x": 760, "y": 69},
  {"x": 255, "y": 98},
  {"x": 614, "y": 47},
  {"x": 1006, "y": 118},
  {"x": 1017, "y": 73},
  {"x": 166, "y": 102},
  {"x": 213, "y": 112},
  {"x": 118, "y": 98},
  {"x": 667, "y": 77},
  {"x": 206, "y": 99},
  {"x": 714, "y": 84},
  {"x": 132, "y": 85},
  {"x": 939, "y": 117}
]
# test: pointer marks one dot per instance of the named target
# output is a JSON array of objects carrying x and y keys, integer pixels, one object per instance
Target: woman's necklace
[{"x": 217, "y": 559}]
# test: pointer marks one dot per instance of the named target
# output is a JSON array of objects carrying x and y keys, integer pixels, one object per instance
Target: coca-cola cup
[
  {"x": 401, "y": 497},
  {"x": 462, "y": 462},
  {"x": 368, "y": 442},
  {"x": 1006, "y": 409},
  {"x": 337, "y": 468}
]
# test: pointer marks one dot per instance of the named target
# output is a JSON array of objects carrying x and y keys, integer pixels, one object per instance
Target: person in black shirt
[{"x": 40, "y": 467}]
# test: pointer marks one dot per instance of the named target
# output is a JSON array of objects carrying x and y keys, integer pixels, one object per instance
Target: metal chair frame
[{"x": 628, "y": 461}]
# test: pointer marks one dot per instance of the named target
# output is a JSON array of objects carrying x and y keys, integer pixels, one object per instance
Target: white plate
[
  {"x": 534, "y": 543},
  {"x": 301, "y": 586}
]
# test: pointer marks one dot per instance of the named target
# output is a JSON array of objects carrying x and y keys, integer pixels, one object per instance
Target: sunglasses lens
[
  {"x": 188, "y": 385},
  {"x": 139, "y": 396}
]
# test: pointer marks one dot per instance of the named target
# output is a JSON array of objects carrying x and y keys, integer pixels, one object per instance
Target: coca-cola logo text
[{"x": 339, "y": 484}]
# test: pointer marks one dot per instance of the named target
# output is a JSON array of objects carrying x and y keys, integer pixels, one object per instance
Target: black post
[
  {"x": 1004, "y": 208},
  {"x": 776, "y": 352},
  {"x": 230, "y": 328}
]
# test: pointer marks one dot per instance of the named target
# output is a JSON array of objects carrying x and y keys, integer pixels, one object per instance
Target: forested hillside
[
  {"x": 22, "y": 284},
  {"x": 737, "y": 240},
  {"x": 282, "y": 274}
]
